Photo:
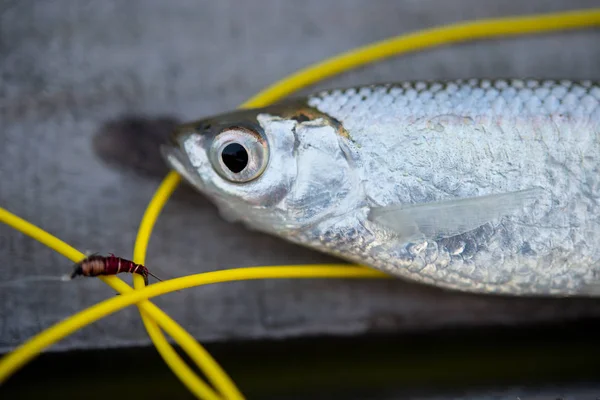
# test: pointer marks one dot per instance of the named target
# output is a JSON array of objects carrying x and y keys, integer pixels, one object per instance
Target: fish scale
[
  {"x": 492, "y": 104},
  {"x": 566, "y": 96},
  {"x": 479, "y": 185}
]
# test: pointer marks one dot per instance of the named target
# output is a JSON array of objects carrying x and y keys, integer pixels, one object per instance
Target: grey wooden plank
[{"x": 73, "y": 75}]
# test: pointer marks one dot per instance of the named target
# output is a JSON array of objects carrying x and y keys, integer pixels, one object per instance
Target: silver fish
[{"x": 486, "y": 186}]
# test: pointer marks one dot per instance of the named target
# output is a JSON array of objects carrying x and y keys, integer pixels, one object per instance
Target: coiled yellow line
[{"x": 153, "y": 317}]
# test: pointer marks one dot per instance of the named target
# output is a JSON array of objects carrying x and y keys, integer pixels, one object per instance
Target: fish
[{"x": 486, "y": 186}]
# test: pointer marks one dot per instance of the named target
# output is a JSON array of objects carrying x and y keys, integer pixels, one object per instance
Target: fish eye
[
  {"x": 239, "y": 154},
  {"x": 235, "y": 157}
]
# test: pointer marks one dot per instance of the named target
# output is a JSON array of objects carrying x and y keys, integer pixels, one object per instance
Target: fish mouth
[{"x": 178, "y": 161}]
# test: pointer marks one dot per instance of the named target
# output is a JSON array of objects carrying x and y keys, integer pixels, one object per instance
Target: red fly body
[{"x": 95, "y": 265}]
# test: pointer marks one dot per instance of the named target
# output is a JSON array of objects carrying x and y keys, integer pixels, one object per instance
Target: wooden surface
[{"x": 88, "y": 88}]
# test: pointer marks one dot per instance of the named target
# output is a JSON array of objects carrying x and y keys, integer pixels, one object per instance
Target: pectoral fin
[{"x": 450, "y": 217}]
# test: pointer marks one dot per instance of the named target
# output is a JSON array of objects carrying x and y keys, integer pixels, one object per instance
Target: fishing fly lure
[{"x": 96, "y": 265}]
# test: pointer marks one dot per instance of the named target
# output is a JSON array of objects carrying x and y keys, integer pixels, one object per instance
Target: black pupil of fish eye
[{"x": 235, "y": 157}]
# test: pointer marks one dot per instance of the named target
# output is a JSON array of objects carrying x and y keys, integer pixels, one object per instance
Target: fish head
[{"x": 267, "y": 168}]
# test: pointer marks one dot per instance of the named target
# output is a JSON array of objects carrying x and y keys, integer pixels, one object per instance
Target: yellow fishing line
[
  {"x": 158, "y": 201},
  {"x": 352, "y": 59},
  {"x": 197, "y": 353},
  {"x": 8, "y": 365},
  {"x": 151, "y": 314},
  {"x": 420, "y": 40}
]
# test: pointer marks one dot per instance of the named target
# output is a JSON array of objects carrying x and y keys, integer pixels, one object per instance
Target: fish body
[{"x": 486, "y": 186}]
